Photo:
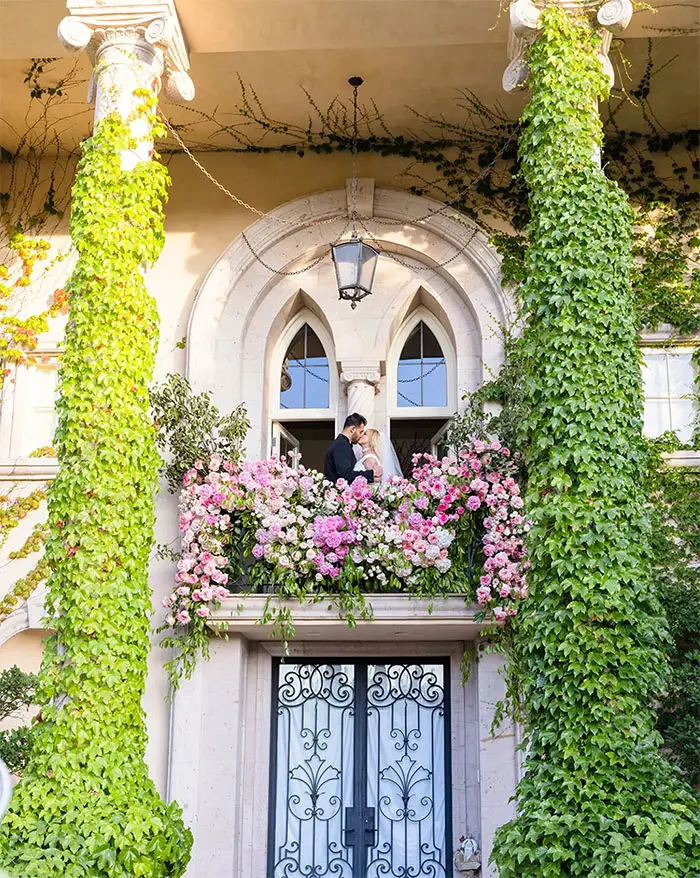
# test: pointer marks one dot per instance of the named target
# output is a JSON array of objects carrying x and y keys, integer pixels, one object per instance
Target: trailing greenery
[
  {"x": 596, "y": 799},
  {"x": 471, "y": 162},
  {"x": 86, "y": 807},
  {"x": 16, "y": 694}
]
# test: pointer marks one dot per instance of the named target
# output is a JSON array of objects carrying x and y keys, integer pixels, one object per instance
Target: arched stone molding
[
  {"x": 240, "y": 300},
  {"x": 26, "y": 617}
]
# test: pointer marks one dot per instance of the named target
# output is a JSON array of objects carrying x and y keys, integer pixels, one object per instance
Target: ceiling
[{"x": 415, "y": 56}]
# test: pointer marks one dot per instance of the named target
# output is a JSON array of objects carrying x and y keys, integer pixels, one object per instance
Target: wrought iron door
[{"x": 359, "y": 773}]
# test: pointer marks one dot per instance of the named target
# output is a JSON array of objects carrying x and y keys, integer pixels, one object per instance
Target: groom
[{"x": 340, "y": 458}]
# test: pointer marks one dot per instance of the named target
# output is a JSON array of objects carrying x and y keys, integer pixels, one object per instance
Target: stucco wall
[{"x": 201, "y": 223}]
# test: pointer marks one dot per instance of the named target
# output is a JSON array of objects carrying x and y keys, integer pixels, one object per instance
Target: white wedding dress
[{"x": 389, "y": 460}]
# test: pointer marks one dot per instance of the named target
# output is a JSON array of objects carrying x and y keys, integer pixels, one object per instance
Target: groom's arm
[{"x": 344, "y": 461}]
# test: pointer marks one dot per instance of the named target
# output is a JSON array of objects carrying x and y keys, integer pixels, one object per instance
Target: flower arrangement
[{"x": 456, "y": 526}]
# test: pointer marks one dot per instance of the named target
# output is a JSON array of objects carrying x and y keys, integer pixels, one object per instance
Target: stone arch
[
  {"x": 27, "y": 617},
  {"x": 432, "y": 256}
]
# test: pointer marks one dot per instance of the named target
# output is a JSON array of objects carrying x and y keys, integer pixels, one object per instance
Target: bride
[{"x": 378, "y": 455}]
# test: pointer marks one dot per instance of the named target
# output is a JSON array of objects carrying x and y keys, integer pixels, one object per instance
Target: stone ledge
[
  {"x": 28, "y": 469},
  {"x": 397, "y": 617},
  {"x": 683, "y": 459}
]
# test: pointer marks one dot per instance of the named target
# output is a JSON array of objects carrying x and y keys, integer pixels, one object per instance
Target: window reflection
[
  {"x": 304, "y": 380},
  {"x": 422, "y": 370}
]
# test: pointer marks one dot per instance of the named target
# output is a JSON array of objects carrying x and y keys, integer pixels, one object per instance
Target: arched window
[
  {"x": 304, "y": 379},
  {"x": 422, "y": 371}
]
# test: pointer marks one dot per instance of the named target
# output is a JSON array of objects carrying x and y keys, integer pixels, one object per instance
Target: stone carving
[
  {"x": 368, "y": 375},
  {"x": 613, "y": 16},
  {"x": 524, "y": 17},
  {"x": 132, "y": 28},
  {"x": 515, "y": 75},
  {"x": 524, "y": 20},
  {"x": 467, "y": 858},
  {"x": 74, "y": 34},
  {"x": 361, "y": 380}
]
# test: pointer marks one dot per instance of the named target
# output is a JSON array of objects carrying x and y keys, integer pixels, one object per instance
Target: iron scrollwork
[
  {"x": 406, "y": 770},
  {"x": 360, "y": 779},
  {"x": 315, "y": 709}
]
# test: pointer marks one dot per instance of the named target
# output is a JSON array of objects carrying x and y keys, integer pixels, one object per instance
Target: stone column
[
  {"x": 361, "y": 380},
  {"x": 133, "y": 46},
  {"x": 613, "y": 17}
]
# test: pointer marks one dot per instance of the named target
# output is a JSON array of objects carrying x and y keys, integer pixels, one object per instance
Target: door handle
[{"x": 360, "y": 830}]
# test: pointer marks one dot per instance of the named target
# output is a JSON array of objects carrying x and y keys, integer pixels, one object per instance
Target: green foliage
[
  {"x": 86, "y": 807},
  {"x": 16, "y": 691},
  {"x": 507, "y": 388},
  {"x": 675, "y": 495},
  {"x": 596, "y": 799},
  {"x": 15, "y": 747},
  {"x": 189, "y": 427},
  {"x": 16, "y": 694}
]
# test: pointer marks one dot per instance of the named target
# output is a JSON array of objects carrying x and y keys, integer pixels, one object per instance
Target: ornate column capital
[
  {"x": 146, "y": 33},
  {"x": 612, "y": 17},
  {"x": 367, "y": 373}
]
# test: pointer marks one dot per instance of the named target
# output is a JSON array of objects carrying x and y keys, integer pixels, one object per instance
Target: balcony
[{"x": 397, "y": 617}]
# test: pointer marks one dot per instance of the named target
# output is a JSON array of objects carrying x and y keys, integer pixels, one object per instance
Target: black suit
[{"x": 340, "y": 462}]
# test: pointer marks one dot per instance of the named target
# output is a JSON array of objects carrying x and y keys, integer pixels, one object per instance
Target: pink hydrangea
[{"x": 301, "y": 522}]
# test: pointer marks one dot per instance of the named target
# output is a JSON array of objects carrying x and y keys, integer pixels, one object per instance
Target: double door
[{"x": 360, "y": 778}]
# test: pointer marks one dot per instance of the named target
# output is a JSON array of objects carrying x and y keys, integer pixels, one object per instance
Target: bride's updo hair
[{"x": 375, "y": 443}]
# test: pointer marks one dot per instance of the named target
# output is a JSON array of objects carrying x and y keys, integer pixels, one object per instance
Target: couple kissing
[{"x": 377, "y": 461}]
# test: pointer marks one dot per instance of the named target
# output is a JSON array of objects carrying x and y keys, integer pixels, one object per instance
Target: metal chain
[
  {"x": 396, "y": 259},
  {"x": 353, "y": 214},
  {"x": 239, "y": 201},
  {"x": 378, "y": 220},
  {"x": 281, "y": 271},
  {"x": 356, "y": 82}
]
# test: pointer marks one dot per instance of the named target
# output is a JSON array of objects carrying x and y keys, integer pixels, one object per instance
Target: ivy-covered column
[
  {"x": 596, "y": 799},
  {"x": 86, "y": 806}
]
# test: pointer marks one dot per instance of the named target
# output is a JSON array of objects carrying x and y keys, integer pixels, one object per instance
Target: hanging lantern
[{"x": 355, "y": 264}]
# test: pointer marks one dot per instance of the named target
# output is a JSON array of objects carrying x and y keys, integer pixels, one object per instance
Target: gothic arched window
[
  {"x": 421, "y": 371},
  {"x": 305, "y": 373}
]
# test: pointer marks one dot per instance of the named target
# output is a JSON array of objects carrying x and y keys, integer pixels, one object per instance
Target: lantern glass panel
[
  {"x": 367, "y": 265},
  {"x": 345, "y": 257}
]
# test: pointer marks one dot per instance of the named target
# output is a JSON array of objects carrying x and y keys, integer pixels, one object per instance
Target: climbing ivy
[
  {"x": 86, "y": 805},
  {"x": 596, "y": 799},
  {"x": 674, "y": 494}
]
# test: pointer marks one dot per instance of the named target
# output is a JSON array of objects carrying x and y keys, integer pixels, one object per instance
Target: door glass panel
[
  {"x": 406, "y": 783},
  {"x": 313, "y": 770}
]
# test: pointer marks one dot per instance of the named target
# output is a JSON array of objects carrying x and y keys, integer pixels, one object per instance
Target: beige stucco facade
[{"x": 226, "y": 322}]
